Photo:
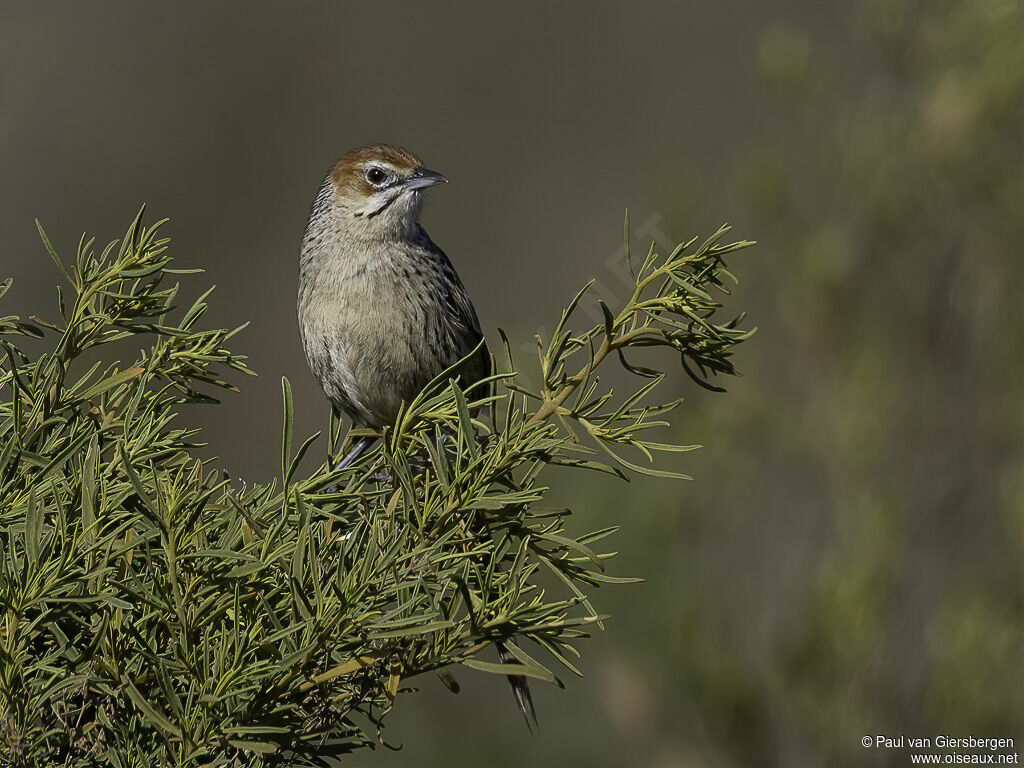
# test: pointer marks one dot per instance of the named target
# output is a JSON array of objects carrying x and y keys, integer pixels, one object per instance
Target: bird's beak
[{"x": 424, "y": 177}]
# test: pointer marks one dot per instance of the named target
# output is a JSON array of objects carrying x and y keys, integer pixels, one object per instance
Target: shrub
[{"x": 156, "y": 613}]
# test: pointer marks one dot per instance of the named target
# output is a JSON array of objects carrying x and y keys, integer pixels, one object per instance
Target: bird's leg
[{"x": 356, "y": 452}]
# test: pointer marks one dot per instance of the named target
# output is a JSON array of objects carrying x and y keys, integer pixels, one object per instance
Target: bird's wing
[{"x": 460, "y": 312}]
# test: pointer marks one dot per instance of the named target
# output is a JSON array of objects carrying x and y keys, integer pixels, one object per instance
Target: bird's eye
[{"x": 376, "y": 176}]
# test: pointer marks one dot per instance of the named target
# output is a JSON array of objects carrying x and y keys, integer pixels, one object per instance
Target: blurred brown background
[{"x": 849, "y": 558}]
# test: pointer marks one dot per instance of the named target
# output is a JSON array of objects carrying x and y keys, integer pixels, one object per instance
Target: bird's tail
[{"x": 520, "y": 689}]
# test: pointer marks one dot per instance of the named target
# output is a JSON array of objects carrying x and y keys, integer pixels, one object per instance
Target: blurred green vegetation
[{"x": 873, "y": 475}]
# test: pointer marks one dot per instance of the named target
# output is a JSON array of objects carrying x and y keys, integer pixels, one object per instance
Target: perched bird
[{"x": 381, "y": 310}]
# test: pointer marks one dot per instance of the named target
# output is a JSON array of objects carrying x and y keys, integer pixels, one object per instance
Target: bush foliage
[{"x": 157, "y": 613}]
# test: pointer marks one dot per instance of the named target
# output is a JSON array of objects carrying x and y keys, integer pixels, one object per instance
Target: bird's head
[{"x": 380, "y": 187}]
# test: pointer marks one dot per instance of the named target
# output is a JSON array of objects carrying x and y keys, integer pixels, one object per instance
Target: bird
[{"x": 381, "y": 309}]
